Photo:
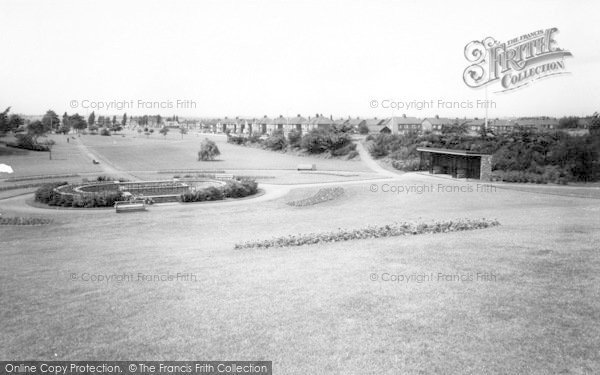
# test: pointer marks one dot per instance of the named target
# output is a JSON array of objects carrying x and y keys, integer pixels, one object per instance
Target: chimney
[
  {"x": 404, "y": 115},
  {"x": 331, "y": 117}
]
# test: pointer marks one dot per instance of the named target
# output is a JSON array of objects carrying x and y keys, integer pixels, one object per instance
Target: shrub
[
  {"x": 208, "y": 150},
  {"x": 345, "y": 150},
  {"x": 276, "y": 141},
  {"x": 294, "y": 138},
  {"x": 27, "y": 142},
  {"x": 407, "y": 165},
  {"x": 105, "y": 132},
  {"x": 232, "y": 189},
  {"x": 321, "y": 140},
  {"x": 352, "y": 154},
  {"x": 363, "y": 129},
  {"x": 236, "y": 139},
  {"x": 46, "y": 193}
]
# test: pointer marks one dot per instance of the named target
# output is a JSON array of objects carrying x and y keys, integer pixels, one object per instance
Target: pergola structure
[{"x": 458, "y": 163}]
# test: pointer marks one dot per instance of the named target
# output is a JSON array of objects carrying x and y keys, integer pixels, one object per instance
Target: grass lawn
[
  {"x": 314, "y": 309},
  {"x": 66, "y": 158},
  {"x": 138, "y": 153}
]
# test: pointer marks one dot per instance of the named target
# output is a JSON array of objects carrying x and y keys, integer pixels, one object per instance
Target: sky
[{"x": 255, "y": 58}]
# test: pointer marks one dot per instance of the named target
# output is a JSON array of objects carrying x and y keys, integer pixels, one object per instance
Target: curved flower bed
[
  {"x": 323, "y": 195},
  {"x": 392, "y": 230},
  {"x": 18, "y": 220}
]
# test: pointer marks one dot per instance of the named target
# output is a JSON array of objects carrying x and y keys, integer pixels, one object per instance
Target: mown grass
[{"x": 314, "y": 309}]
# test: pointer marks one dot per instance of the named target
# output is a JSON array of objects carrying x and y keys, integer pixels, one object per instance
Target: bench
[
  {"x": 307, "y": 167},
  {"x": 129, "y": 206}
]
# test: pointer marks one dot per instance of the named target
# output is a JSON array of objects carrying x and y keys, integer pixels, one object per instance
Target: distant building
[
  {"x": 403, "y": 124},
  {"x": 375, "y": 125},
  {"x": 437, "y": 124}
]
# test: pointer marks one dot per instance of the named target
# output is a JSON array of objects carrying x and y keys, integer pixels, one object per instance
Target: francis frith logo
[{"x": 515, "y": 63}]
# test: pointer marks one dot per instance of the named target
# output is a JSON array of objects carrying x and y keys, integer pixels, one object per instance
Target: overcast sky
[{"x": 254, "y": 58}]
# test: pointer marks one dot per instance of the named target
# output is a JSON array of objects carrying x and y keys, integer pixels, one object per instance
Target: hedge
[
  {"x": 50, "y": 195},
  {"x": 231, "y": 189}
]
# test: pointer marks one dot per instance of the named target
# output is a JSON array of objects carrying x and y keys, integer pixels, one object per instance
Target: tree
[
  {"x": 124, "y": 120},
  {"x": 363, "y": 128},
  {"x": 77, "y": 122},
  {"x": 595, "y": 124},
  {"x": 4, "y": 128},
  {"x": 38, "y": 128},
  {"x": 158, "y": 120},
  {"x": 164, "y": 131},
  {"x": 51, "y": 120},
  {"x": 15, "y": 121},
  {"x": 114, "y": 120},
  {"x": 182, "y": 131},
  {"x": 92, "y": 120},
  {"x": 208, "y": 150},
  {"x": 65, "y": 126}
]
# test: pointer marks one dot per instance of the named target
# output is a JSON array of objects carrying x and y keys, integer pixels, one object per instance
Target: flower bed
[
  {"x": 323, "y": 195},
  {"x": 392, "y": 230},
  {"x": 18, "y": 220}
]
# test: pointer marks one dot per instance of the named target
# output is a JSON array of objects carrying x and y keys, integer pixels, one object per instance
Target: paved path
[
  {"x": 366, "y": 158},
  {"x": 106, "y": 166}
]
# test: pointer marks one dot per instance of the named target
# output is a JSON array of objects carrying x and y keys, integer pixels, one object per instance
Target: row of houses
[{"x": 393, "y": 125}]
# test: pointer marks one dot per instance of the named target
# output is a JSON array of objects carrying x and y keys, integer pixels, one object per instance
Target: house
[
  {"x": 317, "y": 122},
  {"x": 537, "y": 123},
  {"x": 437, "y": 124},
  {"x": 356, "y": 123},
  {"x": 375, "y": 125},
  {"x": 403, "y": 124}
]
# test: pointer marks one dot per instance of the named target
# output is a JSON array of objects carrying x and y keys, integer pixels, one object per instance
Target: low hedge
[
  {"x": 232, "y": 189},
  {"x": 49, "y": 194},
  {"x": 381, "y": 231}
]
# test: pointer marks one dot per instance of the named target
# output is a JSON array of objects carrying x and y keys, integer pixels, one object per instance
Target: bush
[
  {"x": 410, "y": 165},
  {"x": 276, "y": 141},
  {"x": 363, "y": 129},
  {"x": 46, "y": 193},
  {"x": 26, "y": 142},
  {"x": 105, "y": 132},
  {"x": 208, "y": 150},
  {"x": 345, "y": 150},
  {"x": 236, "y": 139},
  {"x": 232, "y": 189},
  {"x": 294, "y": 138}
]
